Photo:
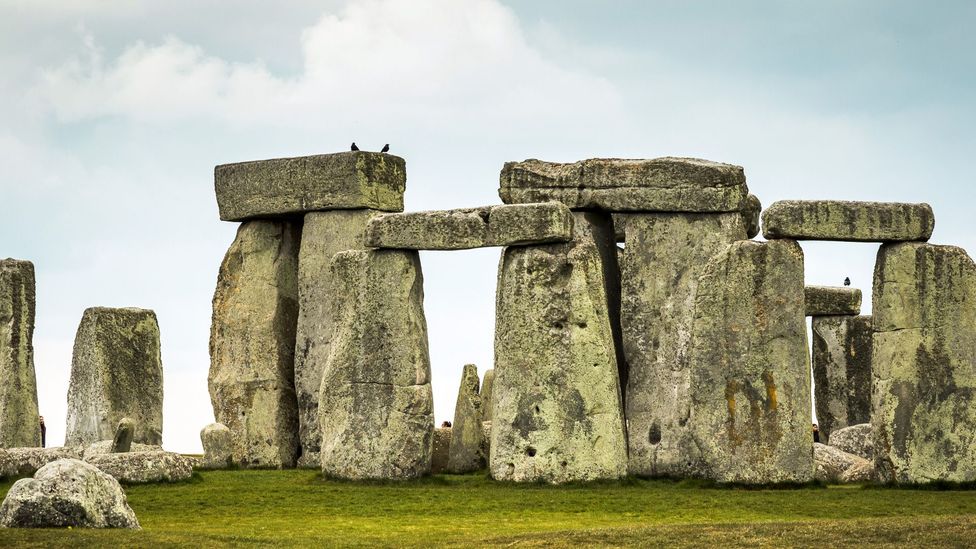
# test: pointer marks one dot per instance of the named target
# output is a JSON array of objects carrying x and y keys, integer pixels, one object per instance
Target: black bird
[
  {"x": 385, "y": 149},
  {"x": 353, "y": 147},
  {"x": 847, "y": 281}
]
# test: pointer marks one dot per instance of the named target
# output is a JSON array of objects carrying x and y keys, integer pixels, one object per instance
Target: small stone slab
[
  {"x": 661, "y": 184},
  {"x": 463, "y": 229},
  {"x": 848, "y": 221},
  {"x": 832, "y": 300},
  {"x": 283, "y": 186}
]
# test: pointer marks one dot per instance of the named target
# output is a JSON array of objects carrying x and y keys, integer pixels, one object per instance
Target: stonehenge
[
  {"x": 842, "y": 350},
  {"x": 18, "y": 386},
  {"x": 848, "y": 221},
  {"x": 465, "y": 454},
  {"x": 832, "y": 300}
]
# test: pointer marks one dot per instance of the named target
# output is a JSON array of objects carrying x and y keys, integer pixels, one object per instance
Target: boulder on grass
[
  {"x": 831, "y": 463},
  {"x": 19, "y": 462},
  {"x": 143, "y": 467},
  {"x": 103, "y": 447},
  {"x": 218, "y": 446}
]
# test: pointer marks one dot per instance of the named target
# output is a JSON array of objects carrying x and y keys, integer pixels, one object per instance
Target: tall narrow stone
[
  {"x": 924, "y": 364},
  {"x": 557, "y": 415},
  {"x": 664, "y": 256},
  {"x": 324, "y": 234},
  {"x": 750, "y": 385},
  {"x": 252, "y": 343},
  {"x": 466, "y": 445},
  {"x": 19, "y": 423},
  {"x": 116, "y": 373},
  {"x": 487, "y": 389},
  {"x": 376, "y": 405},
  {"x": 841, "y": 371}
]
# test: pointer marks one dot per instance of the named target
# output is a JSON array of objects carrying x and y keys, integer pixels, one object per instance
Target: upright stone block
[
  {"x": 324, "y": 234},
  {"x": 19, "y": 420},
  {"x": 218, "y": 446},
  {"x": 832, "y": 300},
  {"x": 557, "y": 415},
  {"x": 376, "y": 404},
  {"x": 122, "y": 441},
  {"x": 487, "y": 390},
  {"x": 848, "y": 221},
  {"x": 750, "y": 384},
  {"x": 466, "y": 454},
  {"x": 116, "y": 373},
  {"x": 252, "y": 343},
  {"x": 924, "y": 364},
  {"x": 841, "y": 372}
]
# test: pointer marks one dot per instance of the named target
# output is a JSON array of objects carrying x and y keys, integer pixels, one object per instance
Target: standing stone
[
  {"x": 441, "y": 450},
  {"x": 557, "y": 414},
  {"x": 466, "y": 431},
  {"x": 252, "y": 343},
  {"x": 218, "y": 446},
  {"x": 123, "y": 436},
  {"x": 750, "y": 384},
  {"x": 848, "y": 221},
  {"x": 924, "y": 364},
  {"x": 324, "y": 234},
  {"x": 19, "y": 420},
  {"x": 664, "y": 256},
  {"x": 841, "y": 372},
  {"x": 376, "y": 405},
  {"x": 116, "y": 373},
  {"x": 487, "y": 389}
]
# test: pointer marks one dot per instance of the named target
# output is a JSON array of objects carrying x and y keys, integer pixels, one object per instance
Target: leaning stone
[
  {"x": 832, "y": 300},
  {"x": 116, "y": 372},
  {"x": 856, "y": 439},
  {"x": 466, "y": 445},
  {"x": 848, "y": 221},
  {"x": 487, "y": 389},
  {"x": 508, "y": 225},
  {"x": 841, "y": 372},
  {"x": 64, "y": 494},
  {"x": 283, "y": 186},
  {"x": 19, "y": 420},
  {"x": 103, "y": 447},
  {"x": 750, "y": 384},
  {"x": 252, "y": 344},
  {"x": 924, "y": 403},
  {"x": 441, "y": 450},
  {"x": 324, "y": 234},
  {"x": 144, "y": 467},
  {"x": 613, "y": 184},
  {"x": 19, "y": 462},
  {"x": 557, "y": 415},
  {"x": 376, "y": 404},
  {"x": 664, "y": 256},
  {"x": 832, "y": 464},
  {"x": 218, "y": 446},
  {"x": 123, "y": 436}
]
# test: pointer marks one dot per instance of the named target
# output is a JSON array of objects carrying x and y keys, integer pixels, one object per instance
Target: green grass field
[{"x": 298, "y": 508}]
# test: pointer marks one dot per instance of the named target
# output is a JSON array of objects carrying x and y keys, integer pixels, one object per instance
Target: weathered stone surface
[
  {"x": 841, "y": 372},
  {"x": 848, "y": 221},
  {"x": 18, "y": 462},
  {"x": 282, "y": 186},
  {"x": 324, "y": 234},
  {"x": 466, "y": 431},
  {"x": 122, "y": 442},
  {"x": 252, "y": 343},
  {"x": 67, "y": 493},
  {"x": 508, "y": 225},
  {"x": 862, "y": 471},
  {"x": 487, "y": 390},
  {"x": 924, "y": 364},
  {"x": 19, "y": 424},
  {"x": 143, "y": 467},
  {"x": 832, "y": 464},
  {"x": 557, "y": 415},
  {"x": 441, "y": 450},
  {"x": 103, "y": 447},
  {"x": 116, "y": 372},
  {"x": 218, "y": 446},
  {"x": 750, "y": 385},
  {"x": 856, "y": 439},
  {"x": 376, "y": 404},
  {"x": 664, "y": 256},
  {"x": 751, "y": 211},
  {"x": 661, "y": 184},
  {"x": 832, "y": 300}
]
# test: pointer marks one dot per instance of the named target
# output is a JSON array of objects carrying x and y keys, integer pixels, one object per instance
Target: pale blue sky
[{"x": 113, "y": 114}]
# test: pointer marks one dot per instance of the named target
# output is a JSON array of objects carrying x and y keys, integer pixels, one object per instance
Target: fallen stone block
[
  {"x": 116, "y": 372},
  {"x": 856, "y": 439},
  {"x": 508, "y": 225},
  {"x": 441, "y": 450},
  {"x": 832, "y": 300},
  {"x": 19, "y": 462},
  {"x": 848, "y": 221},
  {"x": 291, "y": 186},
  {"x": 218, "y": 446},
  {"x": 862, "y": 471},
  {"x": 466, "y": 432},
  {"x": 103, "y": 447},
  {"x": 144, "y": 467},
  {"x": 842, "y": 351},
  {"x": 833, "y": 464},
  {"x": 19, "y": 423}
]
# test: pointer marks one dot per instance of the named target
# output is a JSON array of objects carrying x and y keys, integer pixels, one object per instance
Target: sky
[{"x": 113, "y": 115}]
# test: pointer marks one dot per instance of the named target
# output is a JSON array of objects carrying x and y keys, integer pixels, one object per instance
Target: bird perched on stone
[
  {"x": 847, "y": 281},
  {"x": 385, "y": 149},
  {"x": 353, "y": 147}
]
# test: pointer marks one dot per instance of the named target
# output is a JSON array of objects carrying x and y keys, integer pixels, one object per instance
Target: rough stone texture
[
  {"x": 924, "y": 364},
  {"x": 848, "y": 221},
  {"x": 862, "y": 471},
  {"x": 324, "y": 234},
  {"x": 19, "y": 462},
  {"x": 856, "y": 439},
  {"x": 832, "y": 300},
  {"x": 664, "y": 256},
  {"x": 487, "y": 390},
  {"x": 218, "y": 446},
  {"x": 283, "y": 186},
  {"x": 67, "y": 493},
  {"x": 441, "y": 450},
  {"x": 252, "y": 344},
  {"x": 376, "y": 404},
  {"x": 832, "y": 464},
  {"x": 466, "y": 431},
  {"x": 750, "y": 384},
  {"x": 19, "y": 424},
  {"x": 122, "y": 442},
  {"x": 508, "y": 225},
  {"x": 103, "y": 447},
  {"x": 116, "y": 372},
  {"x": 143, "y": 467},
  {"x": 661, "y": 184},
  {"x": 557, "y": 414},
  {"x": 751, "y": 211},
  {"x": 841, "y": 372}
]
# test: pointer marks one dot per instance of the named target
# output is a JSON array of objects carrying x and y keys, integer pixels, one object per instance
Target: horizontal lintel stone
[
  {"x": 832, "y": 300},
  {"x": 848, "y": 221}
]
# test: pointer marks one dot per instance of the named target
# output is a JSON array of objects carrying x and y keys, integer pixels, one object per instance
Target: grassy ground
[{"x": 258, "y": 508}]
